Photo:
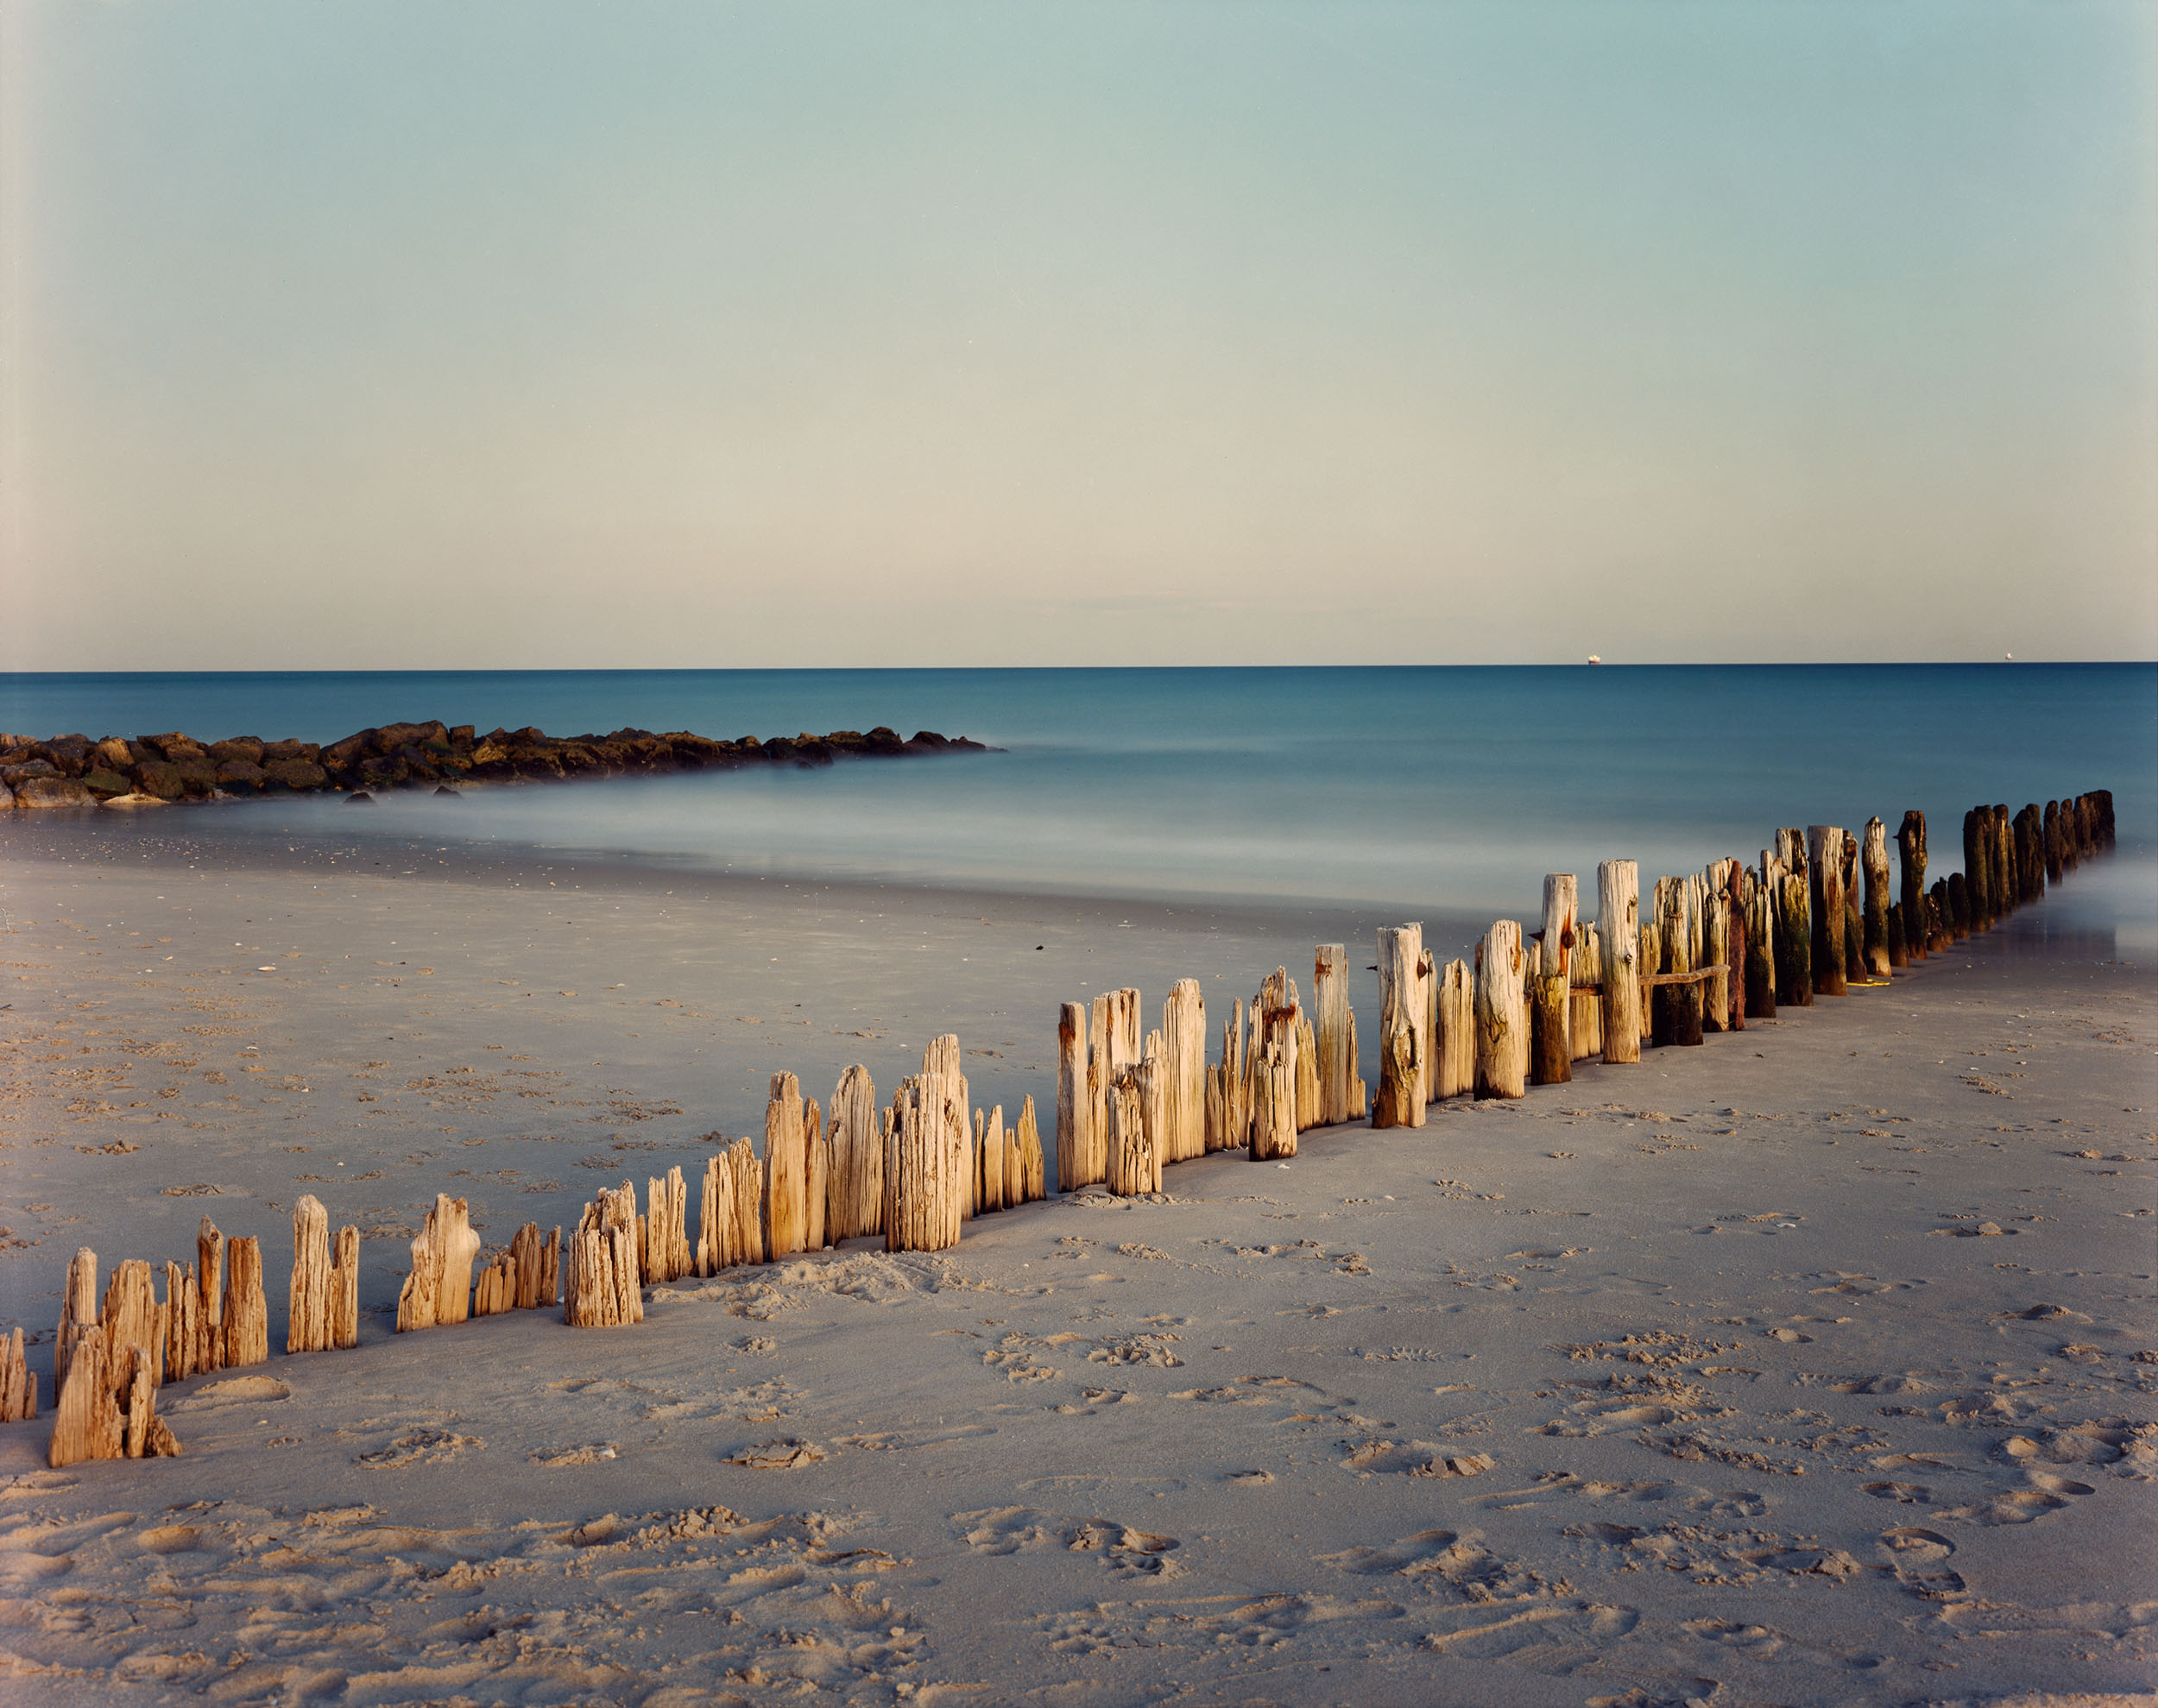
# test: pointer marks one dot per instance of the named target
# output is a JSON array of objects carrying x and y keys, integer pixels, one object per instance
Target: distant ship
[{"x": 1594, "y": 659}]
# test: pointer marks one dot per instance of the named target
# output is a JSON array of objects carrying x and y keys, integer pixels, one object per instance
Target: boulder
[
  {"x": 884, "y": 742},
  {"x": 112, "y": 754},
  {"x": 289, "y": 750},
  {"x": 461, "y": 736},
  {"x": 359, "y": 797},
  {"x": 383, "y": 771},
  {"x": 160, "y": 779},
  {"x": 26, "y": 769},
  {"x": 104, "y": 784},
  {"x": 528, "y": 759},
  {"x": 245, "y": 747},
  {"x": 52, "y": 791},
  {"x": 239, "y": 774},
  {"x": 72, "y": 753},
  {"x": 176, "y": 747},
  {"x": 345, "y": 755},
  {"x": 293, "y": 771},
  {"x": 491, "y": 759},
  {"x": 392, "y": 736},
  {"x": 7, "y": 798}
]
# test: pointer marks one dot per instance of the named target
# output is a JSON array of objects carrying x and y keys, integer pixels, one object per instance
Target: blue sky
[{"x": 407, "y": 336}]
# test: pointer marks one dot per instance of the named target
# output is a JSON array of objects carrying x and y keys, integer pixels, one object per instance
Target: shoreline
[{"x": 1418, "y": 1290}]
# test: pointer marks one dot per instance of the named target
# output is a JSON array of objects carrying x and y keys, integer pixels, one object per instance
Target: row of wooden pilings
[
  {"x": 1715, "y": 948},
  {"x": 1718, "y": 947}
]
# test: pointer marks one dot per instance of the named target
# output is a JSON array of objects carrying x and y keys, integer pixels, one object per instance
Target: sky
[{"x": 532, "y": 335}]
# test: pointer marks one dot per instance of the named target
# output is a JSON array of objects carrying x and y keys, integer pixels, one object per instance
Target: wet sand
[{"x": 1698, "y": 1381}]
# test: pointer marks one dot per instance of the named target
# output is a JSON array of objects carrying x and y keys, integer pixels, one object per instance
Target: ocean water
[{"x": 1431, "y": 790}]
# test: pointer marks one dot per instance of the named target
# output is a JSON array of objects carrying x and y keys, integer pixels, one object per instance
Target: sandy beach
[{"x": 1815, "y": 1365}]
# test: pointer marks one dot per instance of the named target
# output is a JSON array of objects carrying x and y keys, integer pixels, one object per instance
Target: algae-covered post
[
  {"x": 1550, "y": 997},
  {"x": 1619, "y": 929}
]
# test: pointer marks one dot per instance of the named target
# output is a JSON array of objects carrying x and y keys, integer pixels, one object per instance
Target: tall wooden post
[
  {"x": 1823, "y": 859},
  {"x": 1619, "y": 929},
  {"x": 786, "y": 1168},
  {"x": 1075, "y": 1106},
  {"x": 1874, "y": 857},
  {"x": 1910, "y": 843},
  {"x": 1400, "y": 1100},
  {"x": 1456, "y": 1074},
  {"x": 1329, "y": 989},
  {"x": 307, "y": 1317},
  {"x": 1550, "y": 1055},
  {"x": 1502, "y": 1032},
  {"x": 1183, "y": 1029},
  {"x": 1562, "y": 929}
]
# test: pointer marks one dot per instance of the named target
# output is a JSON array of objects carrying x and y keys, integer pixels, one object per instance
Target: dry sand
[{"x": 1815, "y": 1365}]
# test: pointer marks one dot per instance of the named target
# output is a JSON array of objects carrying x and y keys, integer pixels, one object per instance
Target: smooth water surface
[{"x": 1432, "y": 788}]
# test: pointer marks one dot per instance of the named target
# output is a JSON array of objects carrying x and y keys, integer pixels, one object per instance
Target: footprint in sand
[
  {"x": 785, "y": 1454},
  {"x": 419, "y": 1446},
  {"x": 1919, "y": 1560},
  {"x": 1126, "y": 1552}
]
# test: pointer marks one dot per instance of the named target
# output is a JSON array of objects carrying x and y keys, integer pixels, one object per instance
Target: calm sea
[{"x": 1441, "y": 790}]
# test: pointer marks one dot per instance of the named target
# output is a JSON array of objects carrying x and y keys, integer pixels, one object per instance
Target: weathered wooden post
[
  {"x": 1562, "y": 930},
  {"x": 1502, "y": 1040},
  {"x": 1400, "y": 1100},
  {"x": 1716, "y": 1007},
  {"x": 786, "y": 1168},
  {"x": 1874, "y": 856},
  {"x": 246, "y": 1311},
  {"x": 1456, "y": 1074},
  {"x": 210, "y": 1295},
  {"x": 1027, "y": 1146},
  {"x": 1760, "y": 969},
  {"x": 602, "y": 1286},
  {"x": 1898, "y": 949},
  {"x": 1329, "y": 989},
  {"x": 1823, "y": 860},
  {"x": 1427, "y": 1003},
  {"x": 1229, "y": 1119},
  {"x": 18, "y": 1382},
  {"x": 922, "y": 1175},
  {"x": 855, "y": 1198},
  {"x": 1551, "y": 1054},
  {"x": 1273, "y": 1093},
  {"x": 1910, "y": 842},
  {"x": 1619, "y": 929},
  {"x": 1956, "y": 916},
  {"x": 438, "y": 1291},
  {"x": 1184, "y": 1031},
  {"x": 1074, "y": 1104},
  {"x": 1588, "y": 1004},
  {"x": 307, "y": 1316}
]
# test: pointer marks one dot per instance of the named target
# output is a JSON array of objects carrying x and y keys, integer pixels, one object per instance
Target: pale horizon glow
[{"x": 407, "y": 337}]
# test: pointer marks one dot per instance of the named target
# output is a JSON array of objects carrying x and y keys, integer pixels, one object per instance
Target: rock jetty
[{"x": 75, "y": 771}]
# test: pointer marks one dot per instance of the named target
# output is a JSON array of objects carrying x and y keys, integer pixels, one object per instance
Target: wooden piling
[
  {"x": 923, "y": 1179},
  {"x": 1823, "y": 859},
  {"x": 86, "y": 1418},
  {"x": 131, "y": 1322},
  {"x": 1400, "y": 1100},
  {"x": 1587, "y": 1019},
  {"x": 1910, "y": 843},
  {"x": 1184, "y": 1031},
  {"x": 1618, "y": 931},
  {"x": 855, "y": 1198},
  {"x": 1228, "y": 1117},
  {"x": 1561, "y": 931},
  {"x": 438, "y": 1291},
  {"x": 307, "y": 1316},
  {"x": 1718, "y": 1012},
  {"x": 1074, "y": 1104},
  {"x": 1272, "y": 1089},
  {"x": 1502, "y": 1031},
  {"x": 210, "y": 1295},
  {"x": 1456, "y": 1074},
  {"x": 1027, "y": 1142},
  {"x": 1760, "y": 962},
  {"x": 18, "y": 1383},
  {"x": 786, "y": 1169},
  {"x": 1549, "y": 999},
  {"x": 602, "y": 1286},
  {"x": 246, "y": 1311},
  {"x": 1330, "y": 990},
  {"x": 1873, "y": 856}
]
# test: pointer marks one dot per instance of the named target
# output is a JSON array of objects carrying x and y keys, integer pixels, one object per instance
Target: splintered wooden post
[
  {"x": 1823, "y": 860},
  {"x": 438, "y": 1288},
  {"x": 1184, "y": 1031},
  {"x": 1619, "y": 929},
  {"x": 1400, "y": 1100},
  {"x": 786, "y": 1163},
  {"x": 1502, "y": 1040},
  {"x": 246, "y": 1312},
  {"x": 1427, "y": 1004},
  {"x": 1134, "y": 1161},
  {"x": 1456, "y": 1075},
  {"x": 1330, "y": 990},
  {"x": 1074, "y": 1107},
  {"x": 1678, "y": 1002},
  {"x": 1853, "y": 907},
  {"x": 1273, "y": 1091},
  {"x": 1760, "y": 953},
  {"x": 1793, "y": 941},
  {"x": 1715, "y": 947},
  {"x": 182, "y": 1338},
  {"x": 210, "y": 1295},
  {"x": 344, "y": 1289},
  {"x": 18, "y": 1384},
  {"x": 1562, "y": 932},
  {"x": 130, "y": 1321},
  {"x": 1307, "y": 1066},
  {"x": 86, "y": 1422},
  {"x": 818, "y": 1182},
  {"x": 1873, "y": 856},
  {"x": 1910, "y": 844},
  {"x": 1033, "y": 1175},
  {"x": 307, "y": 1319}
]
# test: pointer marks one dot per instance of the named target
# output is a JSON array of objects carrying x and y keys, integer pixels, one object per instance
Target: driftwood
[{"x": 1618, "y": 931}]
